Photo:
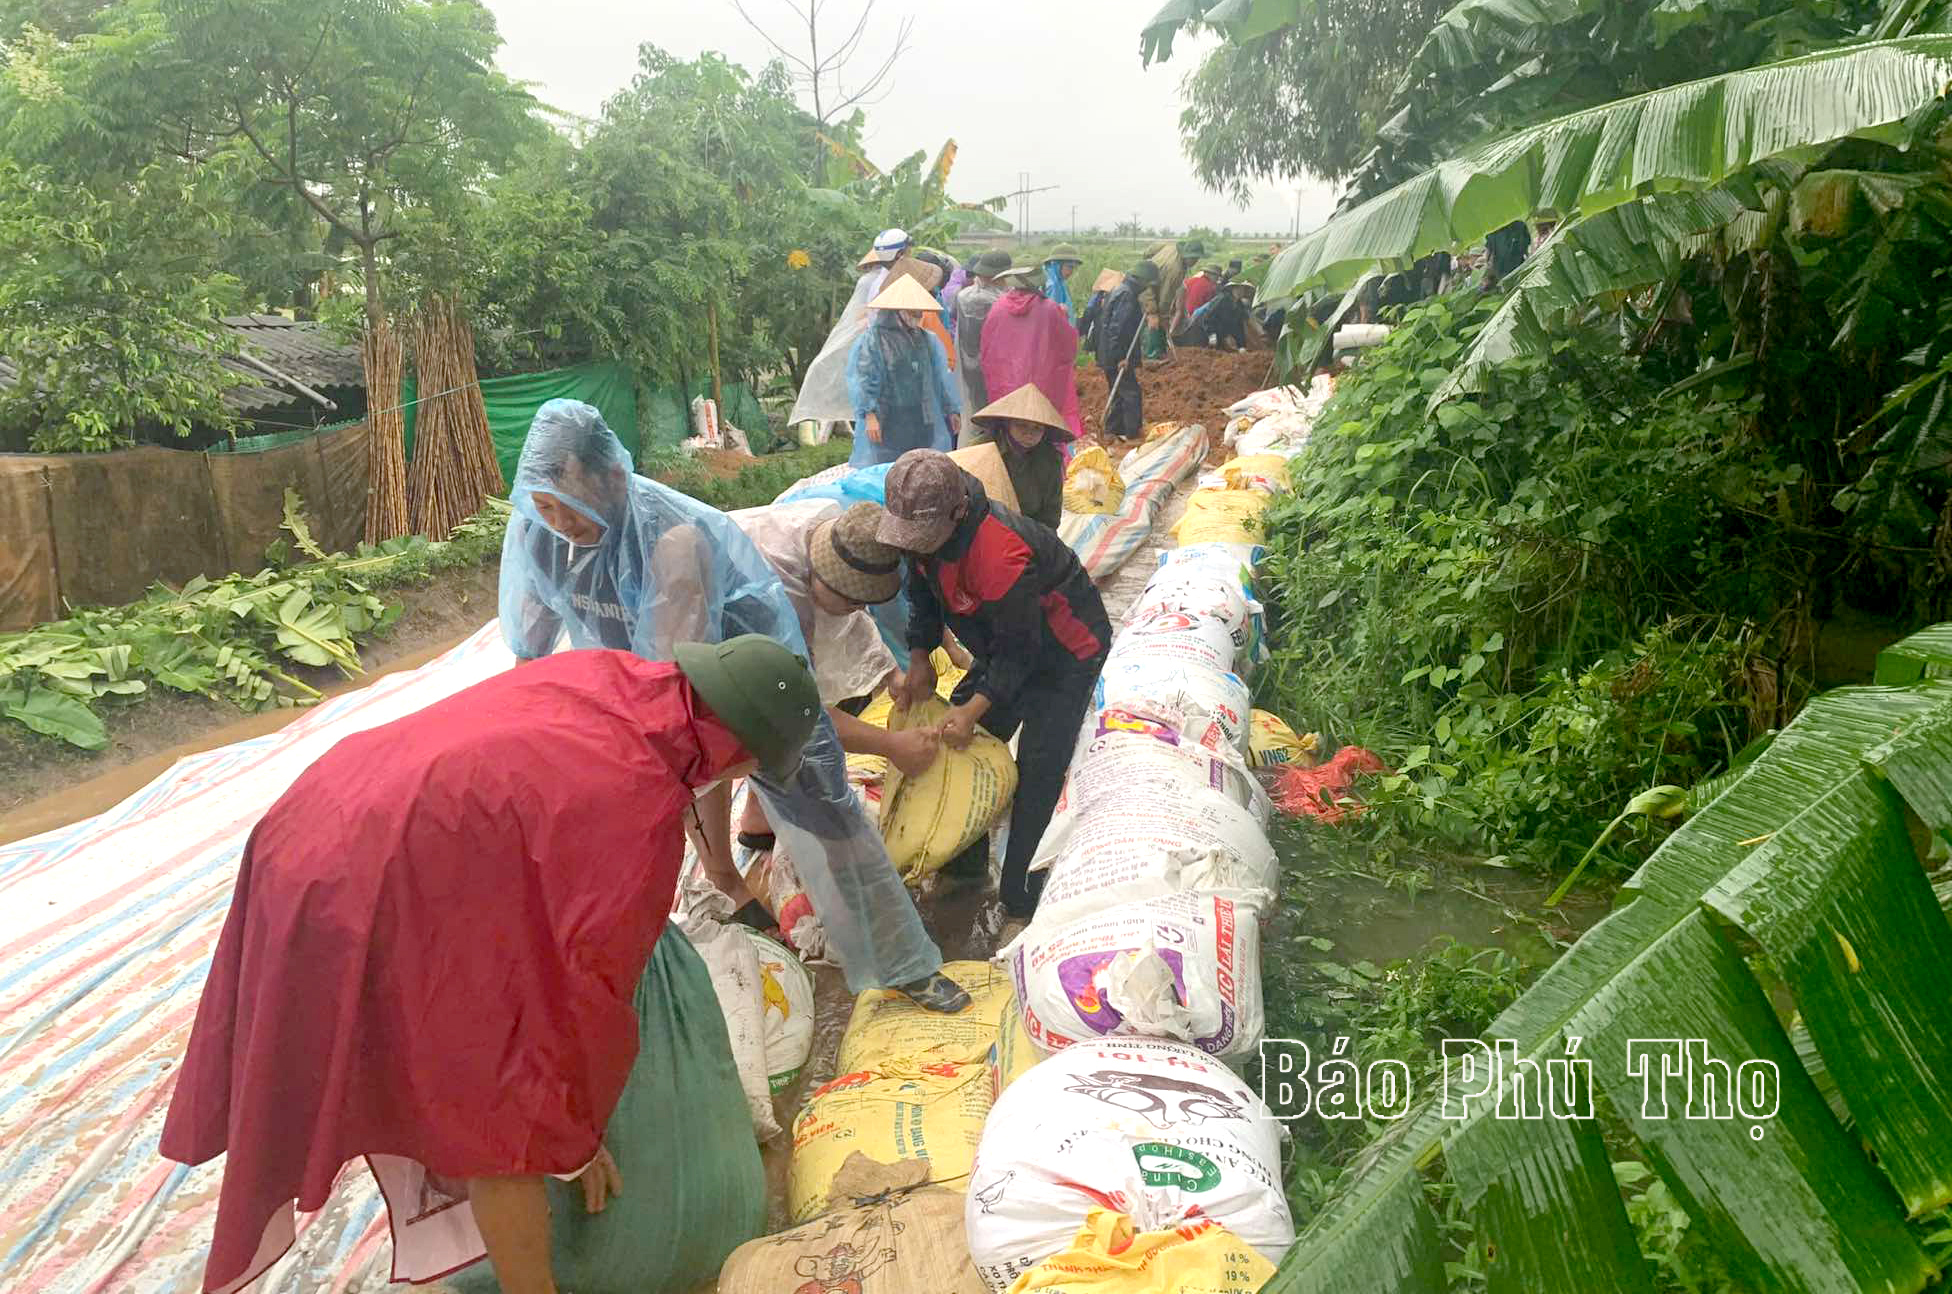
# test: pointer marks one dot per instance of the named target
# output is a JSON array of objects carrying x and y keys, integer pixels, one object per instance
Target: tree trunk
[
  {"x": 369, "y": 261},
  {"x": 711, "y": 337}
]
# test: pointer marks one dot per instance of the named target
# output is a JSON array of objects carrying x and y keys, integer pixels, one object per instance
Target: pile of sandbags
[
  {"x": 882, "y": 1153},
  {"x": 914, "y": 1087},
  {"x": 1139, "y": 976}
]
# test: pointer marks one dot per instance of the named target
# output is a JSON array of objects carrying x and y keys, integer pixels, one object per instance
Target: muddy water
[{"x": 1378, "y": 923}]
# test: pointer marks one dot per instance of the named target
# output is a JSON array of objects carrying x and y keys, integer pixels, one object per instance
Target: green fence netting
[
  {"x": 512, "y": 401},
  {"x": 647, "y": 416}
]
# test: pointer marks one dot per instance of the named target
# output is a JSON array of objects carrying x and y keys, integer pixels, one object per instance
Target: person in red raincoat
[
  {"x": 434, "y": 943},
  {"x": 1029, "y": 338}
]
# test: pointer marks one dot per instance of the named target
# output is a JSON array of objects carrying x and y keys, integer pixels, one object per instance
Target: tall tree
[
  {"x": 825, "y": 70},
  {"x": 360, "y": 109}
]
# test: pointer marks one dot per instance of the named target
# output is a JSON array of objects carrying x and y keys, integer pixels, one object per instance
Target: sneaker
[{"x": 936, "y": 993}]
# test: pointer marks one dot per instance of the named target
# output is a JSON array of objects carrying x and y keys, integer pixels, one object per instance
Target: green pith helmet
[
  {"x": 761, "y": 691},
  {"x": 1064, "y": 252}
]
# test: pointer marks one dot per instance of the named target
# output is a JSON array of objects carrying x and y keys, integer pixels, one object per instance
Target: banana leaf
[
  {"x": 1543, "y": 1196},
  {"x": 1680, "y": 137},
  {"x": 53, "y": 714},
  {"x": 1791, "y": 1201},
  {"x": 1619, "y": 250},
  {"x": 1926, "y": 654}
]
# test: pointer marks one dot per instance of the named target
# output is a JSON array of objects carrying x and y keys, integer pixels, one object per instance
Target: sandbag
[
  {"x": 1110, "y": 1256},
  {"x": 1013, "y": 1053},
  {"x": 1173, "y": 639},
  {"x": 1264, "y": 472},
  {"x": 928, "y": 820},
  {"x": 905, "y": 1242},
  {"x": 1182, "y": 695},
  {"x": 889, "y": 1023},
  {"x": 693, "y": 1186},
  {"x": 773, "y": 880},
  {"x": 1195, "y": 591},
  {"x": 1170, "y": 1133},
  {"x": 1123, "y": 757},
  {"x": 1183, "y": 966},
  {"x": 1271, "y": 743},
  {"x": 733, "y": 964},
  {"x": 1235, "y": 561},
  {"x": 1222, "y": 517},
  {"x": 786, "y": 987},
  {"x": 1091, "y": 484},
  {"x": 1153, "y": 847},
  {"x": 1285, "y": 434},
  {"x": 904, "y": 1109}
]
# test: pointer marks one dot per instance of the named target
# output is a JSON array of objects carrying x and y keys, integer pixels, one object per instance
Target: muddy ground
[{"x": 1194, "y": 385}]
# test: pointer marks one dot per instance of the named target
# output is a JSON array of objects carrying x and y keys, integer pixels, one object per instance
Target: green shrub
[{"x": 1530, "y": 604}]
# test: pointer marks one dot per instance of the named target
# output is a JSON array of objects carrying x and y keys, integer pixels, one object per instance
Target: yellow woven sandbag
[
  {"x": 1256, "y": 472},
  {"x": 872, "y": 767},
  {"x": 1221, "y": 517},
  {"x": 1271, "y": 743},
  {"x": 928, "y": 820},
  {"x": 1110, "y": 1257},
  {"x": 1092, "y": 484},
  {"x": 1013, "y": 1053},
  {"x": 919, "y": 1108},
  {"x": 888, "y": 1023}
]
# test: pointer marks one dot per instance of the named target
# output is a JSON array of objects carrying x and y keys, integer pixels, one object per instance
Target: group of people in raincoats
[
  {"x": 447, "y": 938},
  {"x": 907, "y": 387}
]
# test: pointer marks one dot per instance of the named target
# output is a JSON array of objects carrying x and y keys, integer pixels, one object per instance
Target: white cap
[{"x": 891, "y": 240}]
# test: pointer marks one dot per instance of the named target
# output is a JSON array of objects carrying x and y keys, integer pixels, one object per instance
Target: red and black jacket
[{"x": 1016, "y": 596}]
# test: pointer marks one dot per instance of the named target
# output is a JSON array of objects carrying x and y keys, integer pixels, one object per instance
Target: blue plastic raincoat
[
  {"x": 900, "y": 373},
  {"x": 1057, "y": 288},
  {"x": 669, "y": 569}
]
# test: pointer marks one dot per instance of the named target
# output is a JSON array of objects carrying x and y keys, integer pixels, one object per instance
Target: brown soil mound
[{"x": 1193, "y": 386}]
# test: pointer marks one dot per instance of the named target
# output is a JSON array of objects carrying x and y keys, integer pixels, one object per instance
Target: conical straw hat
[
  {"x": 1108, "y": 281},
  {"x": 1026, "y": 404},
  {"x": 904, "y": 293}
]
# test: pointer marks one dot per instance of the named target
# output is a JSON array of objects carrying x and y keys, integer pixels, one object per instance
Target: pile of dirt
[
  {"x": 720, "y": 464},
  {"x": 1194, "y": 385}
]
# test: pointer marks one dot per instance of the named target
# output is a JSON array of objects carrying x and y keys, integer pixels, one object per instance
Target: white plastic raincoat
[{"x": 669, "y": 569}]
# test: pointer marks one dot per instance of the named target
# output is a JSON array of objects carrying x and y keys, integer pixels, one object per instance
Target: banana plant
[
  {"x": 1804, "y": 867},
  {"x": 1686, "y": 137}
]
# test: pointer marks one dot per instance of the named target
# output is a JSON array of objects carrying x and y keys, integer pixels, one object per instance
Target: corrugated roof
[{"x": 303, "y": 352}]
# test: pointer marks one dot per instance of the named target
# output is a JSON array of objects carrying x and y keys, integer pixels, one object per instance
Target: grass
[{"x": 754, "y": 485}]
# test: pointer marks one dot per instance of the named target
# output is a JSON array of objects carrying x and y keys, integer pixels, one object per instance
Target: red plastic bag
[{"x": 1319, "y": 791}]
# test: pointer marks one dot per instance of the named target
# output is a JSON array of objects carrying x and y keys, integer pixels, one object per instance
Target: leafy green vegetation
[
  {"x": 1533, "y": 604},
  {"x": 751, "y": 486},
  {"x": 235, "y": 639}
]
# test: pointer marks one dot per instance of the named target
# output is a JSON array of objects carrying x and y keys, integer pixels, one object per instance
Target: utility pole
[
  {"x": 1135, "y": 229},
  {"x": 1022, "y": 195},
  {"x": 1074, "y": 224}
]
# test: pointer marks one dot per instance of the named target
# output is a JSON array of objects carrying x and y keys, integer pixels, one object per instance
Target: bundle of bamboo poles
[
  {"x": 386, "y": 462},
  {"x": 454, "y": 469}
]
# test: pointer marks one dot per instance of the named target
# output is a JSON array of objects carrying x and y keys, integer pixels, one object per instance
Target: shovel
[{"x": 1123, "y": 368}]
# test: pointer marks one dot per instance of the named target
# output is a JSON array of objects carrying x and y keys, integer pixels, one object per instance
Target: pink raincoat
[{"x": 1029, "y": 338}]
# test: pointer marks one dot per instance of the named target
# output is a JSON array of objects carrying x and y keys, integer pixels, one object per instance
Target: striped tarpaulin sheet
[
  {"x": 1103, "y": 541},
  {"x": 106, "y": 932}
]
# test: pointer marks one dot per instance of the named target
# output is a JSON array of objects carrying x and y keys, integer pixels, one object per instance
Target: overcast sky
[{"x": 1103, "y": 129}]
